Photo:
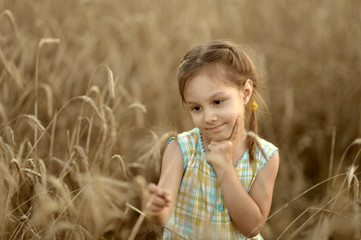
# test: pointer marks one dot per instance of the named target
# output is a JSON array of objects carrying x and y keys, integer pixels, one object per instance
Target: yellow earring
[{"x": 254, "y": 105}]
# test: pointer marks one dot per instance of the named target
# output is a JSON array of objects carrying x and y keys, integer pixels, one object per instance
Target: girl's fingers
[
  {"x": 159, "y": 202},
  {"x": 157, "y": 205},
  {"x": 166, "y": 196},
  {"x": 152, "y": 188},
  {"x": 234, "y": 133},
  {"x": 164, "y": 199},
  {"x": 155, "y": 209},
  {"x": 159, "y": 193}
]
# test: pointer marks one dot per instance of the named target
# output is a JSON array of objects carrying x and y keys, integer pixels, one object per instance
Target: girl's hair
[{"x": 222, "y": 57}]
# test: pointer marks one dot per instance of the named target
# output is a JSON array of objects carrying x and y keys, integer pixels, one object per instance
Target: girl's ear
[{"x": 247, "y": 91}]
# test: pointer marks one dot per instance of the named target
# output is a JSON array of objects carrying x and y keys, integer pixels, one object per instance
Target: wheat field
[{"x": 89, "y": 99}]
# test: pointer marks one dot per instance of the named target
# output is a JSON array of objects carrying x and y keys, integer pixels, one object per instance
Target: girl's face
[{"x": 215, "y": 104}]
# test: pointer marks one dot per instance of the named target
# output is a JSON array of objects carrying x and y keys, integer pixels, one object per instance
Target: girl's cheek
[{"x": 196, "y": 120}]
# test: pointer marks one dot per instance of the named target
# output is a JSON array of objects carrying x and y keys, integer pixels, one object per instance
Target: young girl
[{"x": 216, "y": 180}]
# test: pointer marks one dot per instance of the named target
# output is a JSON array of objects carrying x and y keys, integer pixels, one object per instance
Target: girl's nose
[{"x": 209, "y": 116}]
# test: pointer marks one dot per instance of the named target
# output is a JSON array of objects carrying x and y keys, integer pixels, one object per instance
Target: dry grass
[{"x": 88, "y": 100}]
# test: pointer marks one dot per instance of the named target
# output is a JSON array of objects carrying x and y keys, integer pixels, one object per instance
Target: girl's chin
[{"x": 216, "y": 136}]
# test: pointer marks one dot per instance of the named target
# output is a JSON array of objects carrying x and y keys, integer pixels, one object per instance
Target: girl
[{"x": 216, "y": 180}]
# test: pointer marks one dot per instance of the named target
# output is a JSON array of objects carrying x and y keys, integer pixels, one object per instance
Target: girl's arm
[
  {"x": 164, "y": 195},
  {"x": 250, "y": 210}
]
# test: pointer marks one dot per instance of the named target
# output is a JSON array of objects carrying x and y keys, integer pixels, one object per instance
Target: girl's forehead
[
  {"x": 214, "y": 74},
  {"x": 205, "y": 84}
]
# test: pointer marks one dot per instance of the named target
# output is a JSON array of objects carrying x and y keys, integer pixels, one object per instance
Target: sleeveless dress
[{"x": 200, "y": 211}]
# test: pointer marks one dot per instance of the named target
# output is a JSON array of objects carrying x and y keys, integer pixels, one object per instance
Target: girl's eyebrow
[
  {"x": 214, "y": 95},
  {"x": 190, "y": 103}
]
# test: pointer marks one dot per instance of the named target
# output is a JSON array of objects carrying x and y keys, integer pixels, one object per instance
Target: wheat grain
[
  {"x": 12, "y": 20},
  {"x": 49, "y": 98},
  {"x": 138, "y": 105},
  {"x": 113, "y": 124},
  {"x": 3, "y": 114},
  {"x": 355, "y": 142},
  {"x": 16, "y": 163},
  {"x": 93, "y": 105},
  {"x": 35, "y": 123},
  {"x": 11, "y": 70},
  {"x": 83, "y": 158},
  {"x": 9, "y": 149},
  {"x": 122, "y": 165},
  {"x": 27, "y": 170},
  {"x": 110, "y": 82},
  {"x": 96, "y": 90},
  {"x": 8, "y": 135},
  {"x": 48, "y": 41},
  {"x": 353, "y": 183}
]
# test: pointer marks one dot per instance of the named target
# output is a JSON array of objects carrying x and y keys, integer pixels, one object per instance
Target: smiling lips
[{"x": 214, "y": 129}]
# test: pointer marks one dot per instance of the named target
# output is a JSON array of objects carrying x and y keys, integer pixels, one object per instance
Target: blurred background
[{"x": 89, "y": 96}]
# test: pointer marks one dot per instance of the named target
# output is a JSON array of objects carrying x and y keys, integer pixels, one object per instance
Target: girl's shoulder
[
  {"x": 193, "y": 133},
  {"x": 188, "y": 138},
  {"x": 188, "y": 143},
  {"x": 264, "y": 144},
  {"x": 264, "y": 151}
]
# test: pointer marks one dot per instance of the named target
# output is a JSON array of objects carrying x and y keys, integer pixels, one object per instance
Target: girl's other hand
[{"x": 159, "y": 199}]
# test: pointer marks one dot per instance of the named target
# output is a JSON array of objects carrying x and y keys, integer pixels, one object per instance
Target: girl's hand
[
  {"x": 220, "y": 151},
  {"x": 159, "y": 199}
]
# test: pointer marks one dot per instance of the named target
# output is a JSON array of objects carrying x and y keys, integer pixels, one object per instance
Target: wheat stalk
[
  {"x": 332, "y": 200},
  {"x": 11, "y": 69},
  {"x": 297, "y": 197},
  {"x": 12, "y": 20},
  {"x": 330, "y": 169},
  {"x": 49, "y": 98},
  {"x": 41, "y": 43},
  {"x": 110, "y": 82},
  {"x": 3, "y": 114},
  {"x": 35, "y": 122},
  {"x": 52, "y": 136},
  {"x": 6, "y": 132}
]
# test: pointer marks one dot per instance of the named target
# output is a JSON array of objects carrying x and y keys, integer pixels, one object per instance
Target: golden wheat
[{"x": 89, "y": 99}]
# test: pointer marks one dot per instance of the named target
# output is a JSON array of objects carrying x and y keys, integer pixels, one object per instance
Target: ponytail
[{"x": 251, "y": 142}]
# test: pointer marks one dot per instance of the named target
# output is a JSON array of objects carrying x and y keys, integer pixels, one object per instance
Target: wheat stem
[{"x": 41, "y": 43}]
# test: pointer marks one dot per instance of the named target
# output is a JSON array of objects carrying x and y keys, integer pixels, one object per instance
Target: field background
[{"x": 89, "y": 98}]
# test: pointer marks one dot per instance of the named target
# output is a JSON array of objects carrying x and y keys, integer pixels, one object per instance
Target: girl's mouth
[{"x": 215, "y": 129}]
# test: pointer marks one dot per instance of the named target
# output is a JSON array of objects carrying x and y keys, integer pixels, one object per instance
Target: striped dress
[{"x": 200, "y": 211}]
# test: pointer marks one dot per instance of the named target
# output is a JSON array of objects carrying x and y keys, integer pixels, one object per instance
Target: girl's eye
[
  {"x": 196, "y": 108},
  {"x": 218, "y": 102}
]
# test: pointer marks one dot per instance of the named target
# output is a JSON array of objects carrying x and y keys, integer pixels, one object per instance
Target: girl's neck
[{"x": 240, "y": 148}]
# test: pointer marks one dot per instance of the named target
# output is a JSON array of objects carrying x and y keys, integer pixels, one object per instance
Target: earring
[{"x": 254, "y": 105}]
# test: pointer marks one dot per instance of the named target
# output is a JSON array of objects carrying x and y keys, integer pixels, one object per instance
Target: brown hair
[{"x": 238, "y": 68}]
